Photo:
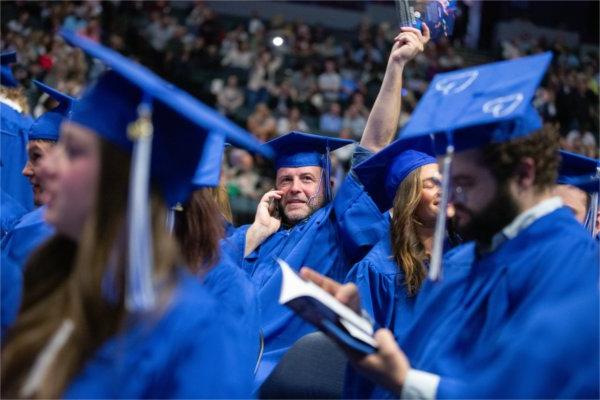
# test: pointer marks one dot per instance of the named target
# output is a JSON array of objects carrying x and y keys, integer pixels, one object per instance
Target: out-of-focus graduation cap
[
  {"x": 136, "y": 110},
  {"x": 47, "y": 126},
  {"x": 299, "y": 149},
  {"x": 384, "y": 171},
  {"x": 583, "y": 173},
  {"x": 472, "y": 107},
  {"x": 6, "y": 76},
  {"x": 208, "y": 173},
  {"x": 579, "y": 171}
]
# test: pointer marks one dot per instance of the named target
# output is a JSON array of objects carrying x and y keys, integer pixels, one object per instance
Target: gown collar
[{"x": 525, "y": 219}]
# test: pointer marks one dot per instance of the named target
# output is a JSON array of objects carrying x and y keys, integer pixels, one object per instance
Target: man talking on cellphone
[{"x": 300, "y": 221}]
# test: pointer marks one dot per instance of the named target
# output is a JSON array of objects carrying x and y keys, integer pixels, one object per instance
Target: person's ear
[{"x": 525, "y": 173}]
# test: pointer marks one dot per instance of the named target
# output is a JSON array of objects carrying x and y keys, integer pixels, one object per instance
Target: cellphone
[{"x": 277, "y": 209}]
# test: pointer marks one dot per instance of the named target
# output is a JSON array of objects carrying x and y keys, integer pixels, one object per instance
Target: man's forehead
[
  {"x": 293, "y": 171},
  {"x": 466, "y": 162}
]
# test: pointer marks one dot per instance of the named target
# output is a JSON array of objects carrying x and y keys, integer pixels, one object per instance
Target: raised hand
[{"x": 409, "y": 43}]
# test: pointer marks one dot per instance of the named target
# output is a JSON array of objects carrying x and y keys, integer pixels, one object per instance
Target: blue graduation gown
[
  {"x": 189, "y": 352},
  {"x": 14, "y": 128},
  {"x": 26, "y": 236},
  {"x": 547, "y": 266},
  {"x": 11, "y": 286},
  {"x": 380, "y": 282},
  {"x": 234, "y": 291},
  {"x": 552, "y": 354},
  {"x": 383, "y": 294},
  {"x": 11, "y": 212},
  {"x": 16, "y": 246},
  {"x": 323, "y": 242}
]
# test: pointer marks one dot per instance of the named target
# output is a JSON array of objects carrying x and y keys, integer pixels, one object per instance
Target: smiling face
[
  {"x": 428, "y": 207},
  {"x": 303, "y": 192},
  {"x": 70, "y": 174},
  {"x": 37, "y": 150}
]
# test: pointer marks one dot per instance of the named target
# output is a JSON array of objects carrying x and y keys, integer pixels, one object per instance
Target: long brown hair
[
  {"x": 78, "y": 270},
  {"x": 221, "y": 196},
  {"x": 17, "y": 95},
  {"x": 407, "y": 249},
  {"x": 199, "y": 228}
]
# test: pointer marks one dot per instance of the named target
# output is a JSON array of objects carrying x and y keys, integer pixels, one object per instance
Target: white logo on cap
[
  {"x": 502, "y": 106},
  {"x": 456, "y": 83}
]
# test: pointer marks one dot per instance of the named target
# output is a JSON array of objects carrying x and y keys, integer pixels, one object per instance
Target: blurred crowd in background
[{"x": 274, "y": 76}]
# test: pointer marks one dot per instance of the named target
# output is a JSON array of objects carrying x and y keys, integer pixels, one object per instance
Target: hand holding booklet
[{"x": 324, "y": 311}]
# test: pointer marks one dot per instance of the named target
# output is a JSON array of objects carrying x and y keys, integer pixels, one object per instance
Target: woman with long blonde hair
[
  {"x": 109, "y": 310},
  {"x": 403, "y": 179}
]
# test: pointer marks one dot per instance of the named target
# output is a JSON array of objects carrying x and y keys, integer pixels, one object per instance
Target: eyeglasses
[{"x": 458, "y": 194}]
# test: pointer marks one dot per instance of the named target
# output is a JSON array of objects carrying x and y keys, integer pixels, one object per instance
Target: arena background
[{"x": 313, "y": 66}]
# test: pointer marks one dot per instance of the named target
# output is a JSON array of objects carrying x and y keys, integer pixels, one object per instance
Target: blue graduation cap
[
  {"x": 208, "y": 173},
  {"x": 384, "y": 171},
  {"x": 583, "y": 173},
  {"x": 47, "y": 126},
  {"x": 299, "y": 149},
  {"x": 6, "y": 75},
  {"x": 194, "y": 110},
  {"x": 472, "y": 107},
  {"x": 579, "y": 171},
  {"x": 475, "y": 106},
  {"x": 136, "y": 110}
]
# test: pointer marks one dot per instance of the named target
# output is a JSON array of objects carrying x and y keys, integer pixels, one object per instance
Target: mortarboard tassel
[
  {"x": 140, "y": 292},
  {"x": 327, "y": 174},
  {"x": 44, "y": 360},
  {"x": 170, "y": 223},
  {"x": 590, "y": 220},
  {"x": 435, "y": 267}
]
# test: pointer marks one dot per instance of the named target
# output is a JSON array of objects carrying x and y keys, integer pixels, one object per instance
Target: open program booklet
[{"x": 325, "y": 312}]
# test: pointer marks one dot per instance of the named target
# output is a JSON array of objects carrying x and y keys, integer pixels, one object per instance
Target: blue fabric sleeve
[
  {"x": 208, "y": 365},
  {"x": 235, "y": 244},
  {"x": 360, "y": 154},
  {"x": 451, "y": 388},
  {"x": 377, "y": 292},
  {"x": 360, "y": 222},
  {"x": 11, "y": 280}
]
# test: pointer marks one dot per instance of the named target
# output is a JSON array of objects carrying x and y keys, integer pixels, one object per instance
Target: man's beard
[
  {"x": 500, "y": 212},
  {"x": 313, "y": 205}
]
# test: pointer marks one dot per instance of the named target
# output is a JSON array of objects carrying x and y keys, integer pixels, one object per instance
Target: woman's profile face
[
  {"x": 428, "y": 207},
  {"x": 71, "y": 176}
]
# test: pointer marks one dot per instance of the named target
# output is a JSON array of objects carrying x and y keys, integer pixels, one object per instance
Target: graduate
[
  {"x": 108, "y": 310},
  {"x": 527, "y": 254},
  {"x": 403, "y": 178},
  {"x": 578, "y": 185},
  {"x": 199, "y": 229},
  {"x": 16, "y": 197},
  {"x": 301, "y": 229},
  {"x": 31, "y": 230},
  {"x": 300, "y": 221}
]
